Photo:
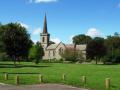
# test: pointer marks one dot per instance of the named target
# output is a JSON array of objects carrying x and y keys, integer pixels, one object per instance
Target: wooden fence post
[
  {"x": 107, "y": 83},
  {"x": 84, "y": 81},
  {"x": 17, "y": 80},
  {"x": 63, "y": 77},
  {"x": 40, "y": 78},
  {"x": 6, "y": 76}
]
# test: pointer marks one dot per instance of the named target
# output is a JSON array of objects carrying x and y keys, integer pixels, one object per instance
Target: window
[
  {"x": 60, "y": 51},
  {"x": 49, "y": 53},
  {"x": 53, "y": 53},
  {"x": 43, "y": 39}
]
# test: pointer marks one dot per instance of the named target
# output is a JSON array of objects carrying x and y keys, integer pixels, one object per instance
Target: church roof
[
  {"x": 70, "y": 46},
  {"x": 77, "y": 47},
  {"x": 45, "y": 26},
  {"x": 52, "y": 47}
]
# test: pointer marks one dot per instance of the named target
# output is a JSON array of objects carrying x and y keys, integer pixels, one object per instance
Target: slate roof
[
  {"x": 52, "y": 47},
  {"x": 68, "y": 46},
  {"x": 78, "y": 47}
]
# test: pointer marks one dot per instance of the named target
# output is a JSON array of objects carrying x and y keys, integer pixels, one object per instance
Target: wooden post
[
  {"x": 17, "y": 81},
  {"x": 63, "y": 77},
  {"x": 107, "y": 83},
  {"x": 84, "y": 81},
  {"x": 40, "y": 78},
  {"x": 6, "y": 76}
]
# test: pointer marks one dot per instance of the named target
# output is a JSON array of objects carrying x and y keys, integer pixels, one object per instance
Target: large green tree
[
  {"x": 36, "y": 52},
  {"x": 2, "y": 48},
  {"x": 96, "y": 49},
  {"x": 81, "y": 39},
  {"x": 17, "y": 41},
  {"x": 113, "y": 48}
]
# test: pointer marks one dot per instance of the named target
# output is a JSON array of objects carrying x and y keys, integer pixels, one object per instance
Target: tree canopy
[
  {"x": 36, "y": 52},
  {"x": 81, "y": 39},
  {"x": 16, "y": 40},
  {"x": 96, "y": 49}
]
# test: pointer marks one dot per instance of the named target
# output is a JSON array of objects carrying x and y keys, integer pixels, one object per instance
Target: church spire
[{"x": 45, "y": 26}]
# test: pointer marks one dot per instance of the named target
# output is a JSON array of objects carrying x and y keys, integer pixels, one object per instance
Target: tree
[
  {"x": 72, "y": 55},
  {"x": 96, "y": 49},
  {"x": 17, "y": 41},
  {"x": 2, "y": 48},
  {"x": 113, "y": 48},
  {"x": 36, "y": 52},
  {"x": 81, "y": 39}
]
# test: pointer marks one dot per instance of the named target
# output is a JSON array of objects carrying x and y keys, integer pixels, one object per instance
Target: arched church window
[
  {"x": 53, "y": 53},
  {"x": 60, "y": 51},
  {"x": 43, "y": 39},
  {"x": 49, "y": 53}
]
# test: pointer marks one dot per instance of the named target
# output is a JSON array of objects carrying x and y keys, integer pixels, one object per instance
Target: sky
[{"x": 65, "y": 18}]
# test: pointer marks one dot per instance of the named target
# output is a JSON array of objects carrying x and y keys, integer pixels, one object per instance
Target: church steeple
[
  {"x": 45, "y": 26},
  {"x": 45, "y": 36}
]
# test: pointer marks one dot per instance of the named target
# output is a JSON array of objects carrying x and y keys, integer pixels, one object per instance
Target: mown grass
[{"x": 52, "y": 73}]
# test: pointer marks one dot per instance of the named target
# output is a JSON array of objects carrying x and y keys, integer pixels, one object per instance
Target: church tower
[{"x": 45, "y": 36}]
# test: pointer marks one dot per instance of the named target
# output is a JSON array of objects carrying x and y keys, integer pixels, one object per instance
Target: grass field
[{"x": 52, "y": 73}]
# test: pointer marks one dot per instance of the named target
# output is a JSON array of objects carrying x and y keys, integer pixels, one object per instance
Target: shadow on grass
[
  {"x": 115, "y": 87},
  {"x": 22, "y": 66},
  {"x": 20, "y": 73},
  {"x": 105, "y": 64}
]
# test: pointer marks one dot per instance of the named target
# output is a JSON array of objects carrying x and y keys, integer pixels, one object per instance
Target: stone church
[{"x": 53, "y": 51}]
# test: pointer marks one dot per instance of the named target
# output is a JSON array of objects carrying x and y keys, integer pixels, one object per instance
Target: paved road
[{"x": 39, "y": 87}]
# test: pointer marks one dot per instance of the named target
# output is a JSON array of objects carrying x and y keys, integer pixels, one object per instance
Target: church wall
[{"x": 61, "y": 46}]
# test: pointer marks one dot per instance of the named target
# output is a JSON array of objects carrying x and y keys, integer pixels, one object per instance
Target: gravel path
[{"x": 40, "y": 87}]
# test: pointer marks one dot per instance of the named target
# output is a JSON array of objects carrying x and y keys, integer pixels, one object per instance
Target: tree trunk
[
  {"x": 14, "y": 58},
  {"x": 96, "y": 60}
]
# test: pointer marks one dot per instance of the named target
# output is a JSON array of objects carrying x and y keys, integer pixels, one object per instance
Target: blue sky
[{"x": 65, "y": 18}]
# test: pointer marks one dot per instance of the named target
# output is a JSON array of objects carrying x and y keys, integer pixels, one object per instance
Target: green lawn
[{"x": 52, "y": 73}]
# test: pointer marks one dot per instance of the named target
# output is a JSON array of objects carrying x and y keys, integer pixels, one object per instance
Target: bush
[
  {"x": 4, "y": 57},
  {"x": 113, "y": 57}
]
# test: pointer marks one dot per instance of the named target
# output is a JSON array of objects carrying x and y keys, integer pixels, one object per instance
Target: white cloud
[
  {"x": 56, "y": 40},
  {"x": 93, "y": 32},
  {"x": 42, "y": 1},
  {"x": 24, "y": 25},
  {"x": 37, "y": 31}
]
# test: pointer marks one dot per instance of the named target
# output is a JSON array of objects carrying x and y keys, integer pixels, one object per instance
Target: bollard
[
  {"x": 17, "y": 81},
  {"x": 40, "y": 78},
  {"x": 84, "y": 81},
  {"x": 63, "y": 77},
  {"x": 107, "y": 83},
  {"x": 6, "y": 76}
]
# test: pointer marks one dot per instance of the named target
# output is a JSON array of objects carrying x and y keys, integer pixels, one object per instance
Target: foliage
[
  {"x": 2, "y": 48},
  {"x": 113, "y": 57},
  {"x": 81, "y": 39},
  {"x": 113, "y": 48},
  {"x": 17, "y": 41},
  {"x": 96, "y": 49},
  {"x": 69, "y": 55},
  {"x": 36, "y": 52},
  {"x": 72, "y": 55}
]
